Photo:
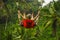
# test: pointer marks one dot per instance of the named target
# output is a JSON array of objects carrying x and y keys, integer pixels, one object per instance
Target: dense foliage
[{"x": 48, "y": 23}]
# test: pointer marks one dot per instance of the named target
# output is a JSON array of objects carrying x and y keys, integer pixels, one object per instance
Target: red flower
[{"x": 28, "y": 23}]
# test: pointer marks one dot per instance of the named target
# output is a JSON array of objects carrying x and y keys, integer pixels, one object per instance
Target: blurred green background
[{"x": 48, "y": 27}]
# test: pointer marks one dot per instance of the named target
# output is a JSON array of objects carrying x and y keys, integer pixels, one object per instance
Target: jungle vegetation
[{"x": 48, "y": 27}]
